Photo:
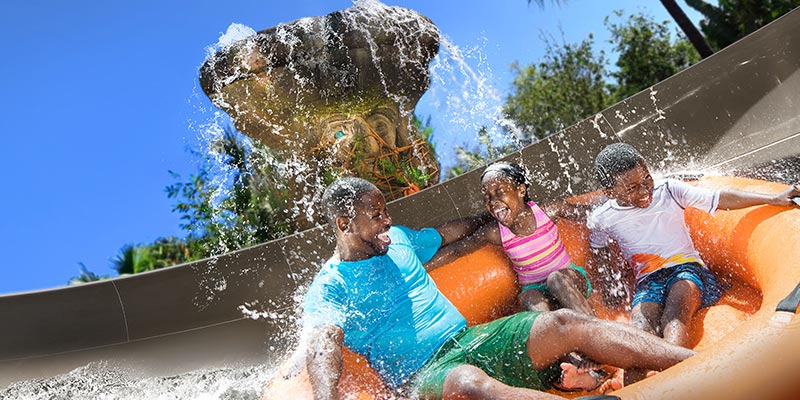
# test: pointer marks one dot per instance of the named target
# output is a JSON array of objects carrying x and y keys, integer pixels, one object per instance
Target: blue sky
[{"x": 100, "y": 99}]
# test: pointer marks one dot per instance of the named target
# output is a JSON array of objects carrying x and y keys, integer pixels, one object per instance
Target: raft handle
[{"x": 790, "y": 303}]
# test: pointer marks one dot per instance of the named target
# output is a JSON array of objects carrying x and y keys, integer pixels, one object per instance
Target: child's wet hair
[
  {"x": 340, "y": 197},
  {"x": 615, "y": 160},
  {"x": 510, "y": 170}
]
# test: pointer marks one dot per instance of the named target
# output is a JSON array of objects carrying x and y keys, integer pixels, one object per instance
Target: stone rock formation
[{"x": 337, "y": 92}]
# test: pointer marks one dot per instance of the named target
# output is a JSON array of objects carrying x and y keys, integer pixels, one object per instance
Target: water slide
[{"x": 735, "y": 112}]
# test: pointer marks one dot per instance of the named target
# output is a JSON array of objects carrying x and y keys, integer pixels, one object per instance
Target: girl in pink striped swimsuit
[{"x": 546, "y": 275}]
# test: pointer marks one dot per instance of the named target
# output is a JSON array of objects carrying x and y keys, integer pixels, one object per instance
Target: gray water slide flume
[{"x": 736, "y": 111}]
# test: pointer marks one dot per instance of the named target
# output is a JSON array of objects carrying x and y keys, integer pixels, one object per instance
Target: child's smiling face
[
  {"x": 633, "y": 188},
  {"x": 503, "y": 198}
]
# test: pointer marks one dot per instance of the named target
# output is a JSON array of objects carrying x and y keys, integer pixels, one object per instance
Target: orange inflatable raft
[{"x": 746, "y": 349}]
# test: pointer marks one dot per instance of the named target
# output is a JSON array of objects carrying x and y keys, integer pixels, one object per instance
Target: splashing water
[
  {"x": 464, "y": 100},
  {"x": 234, "y": 33},
  {"x": 461, "y": 93},
  {"x": 105, "y": 381}
]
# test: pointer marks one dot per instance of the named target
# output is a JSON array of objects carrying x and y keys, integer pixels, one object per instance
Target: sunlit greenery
[
  {"x": 731, "y": 20},
  {"x": 568, "y": 85},
  {"x": 86, "y": 276},
  {"x": 245, "y": 205},
  {"x": 647, "y": 52},
  {"x": 573, "y": 81}
]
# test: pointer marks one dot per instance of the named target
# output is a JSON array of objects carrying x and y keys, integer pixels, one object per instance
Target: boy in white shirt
[{"x": 646, "y": 219}]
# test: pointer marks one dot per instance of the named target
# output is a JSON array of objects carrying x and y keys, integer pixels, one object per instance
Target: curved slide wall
[{"x": 738, "y": 109}]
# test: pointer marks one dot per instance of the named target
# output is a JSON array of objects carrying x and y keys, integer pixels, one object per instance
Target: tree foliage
[
  {"x": 485, "y": 151},
  {"x": 572, "y": 82},
  {"x": 566, "y": 86},
  {"x": 731, "y": 20},
  {"x": 647, "y": 53},
  {"x": 245, "y": 204},
  {"x": 164, "y": 252},
  {"x": 235, "y": 200},
  {"x": 86, "y": 276}
]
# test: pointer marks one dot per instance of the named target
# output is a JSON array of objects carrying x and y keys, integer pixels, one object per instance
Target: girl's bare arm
[{"x": 485, "y": 234}]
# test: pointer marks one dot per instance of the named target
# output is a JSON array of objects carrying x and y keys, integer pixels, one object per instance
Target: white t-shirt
[{"x": 654, "y": 237}]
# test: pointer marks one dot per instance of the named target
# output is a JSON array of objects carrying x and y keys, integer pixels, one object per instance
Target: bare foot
[
  {"x": 574, "y": 378},
  {"x": 613, "y": 383}
]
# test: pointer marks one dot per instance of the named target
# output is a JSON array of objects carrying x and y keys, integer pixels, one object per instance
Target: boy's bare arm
[
  {"x": 736, "y": 199},
  {"x": 485, "y": 234},
  {"x": 324, "y": 360},
  {"x": 563, "y": 209}
]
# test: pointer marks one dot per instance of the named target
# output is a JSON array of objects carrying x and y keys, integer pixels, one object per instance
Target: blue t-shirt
[{"x": 388, "y": 306}]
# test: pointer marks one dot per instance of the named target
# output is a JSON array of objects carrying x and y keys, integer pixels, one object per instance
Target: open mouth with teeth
[
  {"x": 501, "y": 213},
  {"x": 644, "y": 202},
  {"x": 383, "y": 238}
]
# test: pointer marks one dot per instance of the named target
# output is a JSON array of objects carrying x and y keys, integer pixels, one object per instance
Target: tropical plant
[
  {"x": 125, "y": 261},
  {"x": 86, "y": 276},
  {"x": 243, "y": 204},
  {"x": 695, "y": 37},
  {"x": 731, "y": 20},
  {"x": 572, "y": 83},
  {"x": 164, "y": 252},
  {"x": 485, "y": 151},
  {"x": 568, "y": 85},
  {"x": 647, "y": 54}
]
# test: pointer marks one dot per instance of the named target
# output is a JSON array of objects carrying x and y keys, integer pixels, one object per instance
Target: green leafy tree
[
  {"x": 86, "y": 276},
  {"x": 696, "y": 38},
  {"x": 234, "y": 200},
  {"x": 244, "y": 203},
  {"x": 485, "y": 151},
  {"x": 572, "y": 83},
  {"x": 568, "y": 85},
  {"x": 125, "y": 261},
  {"x": 647, "y": 53},
  {"x": 732, "y": 20},
  {"x": 164, "y": 252}
]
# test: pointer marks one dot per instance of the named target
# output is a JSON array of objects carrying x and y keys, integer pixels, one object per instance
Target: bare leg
[
  {"x": 568, "y": 286},
  {"x": 557, "y": 333},
  {"x": 469, "y": 382},
  {"x": 534, "y": 300},
  {"x": 645, "y": 316},
  {"x": 683, "y": 301}
]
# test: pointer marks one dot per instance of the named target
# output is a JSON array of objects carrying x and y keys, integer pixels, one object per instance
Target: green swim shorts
[
  {"x": 498, "y": 348},
  {"x": 542, "y": 287}
]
